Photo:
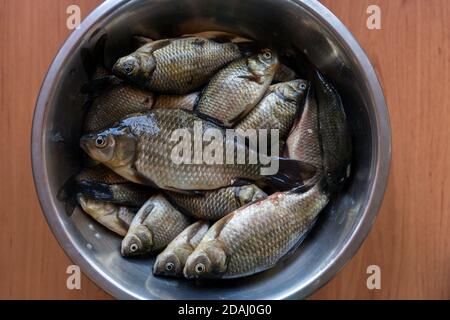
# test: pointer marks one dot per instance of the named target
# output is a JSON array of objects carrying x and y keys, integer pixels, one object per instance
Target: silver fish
[
  {"x": 171, "y": 261},
  {"x": 155, "y": 225},
  {"x": 114, "y": 217},
  {"x": 254, "y": 238}
]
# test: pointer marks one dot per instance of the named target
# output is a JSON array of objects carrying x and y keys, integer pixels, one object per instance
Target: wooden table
[{"x": 410, "y": 240}]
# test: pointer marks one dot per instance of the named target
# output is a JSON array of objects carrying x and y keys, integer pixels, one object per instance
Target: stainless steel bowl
[{"x": 282, "y": 23}]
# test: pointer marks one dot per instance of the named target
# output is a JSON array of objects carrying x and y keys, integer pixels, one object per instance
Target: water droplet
[
  {"x": 89, "y": 246},
  {"x": 97, "y": 235}
]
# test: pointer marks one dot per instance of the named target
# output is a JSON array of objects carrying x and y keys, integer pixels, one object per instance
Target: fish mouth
[
  {"x": 117, "y": 70},
  {"x": 85, "y": 141},
  {"x": 81, "y": 200}
]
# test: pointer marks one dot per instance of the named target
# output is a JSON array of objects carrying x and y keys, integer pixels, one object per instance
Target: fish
[
  {"x": 155, "y": 225},
  {"x": 303, "y": 142},
  {"x": 177, "y": 66},
  {"x": 335, "y": 133},
  {"x": 111, "y": 100},
  {"x": 277, "y": 110},
  {"x": 213, "y": 205},
  {"x": 254, "y": 238},
  {"x": 171, "y": 261},
  {"x": 236, "y": 89},
  {"x": 100, "y": 183},
  {"x": 186, "y": 102},
  {"x": 116, "y": 218},
  {"x": 161, "y": 149},
  {"x": 284, "y": 74}
]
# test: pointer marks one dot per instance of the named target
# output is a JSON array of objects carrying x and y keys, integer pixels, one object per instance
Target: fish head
[
  {"x": 169, "y": 263},
  {"x": 206, "y": 262},
  {"x": 114, "y": 147},
  {"x": 265, "y": 63},
  {"x": 136, "y": 67},
  {"x": 138, "y": 241},
  {"x": 250, "y": 193},
  {"x": 95, "y": 208},
  {"x": 294, "y": 90}
]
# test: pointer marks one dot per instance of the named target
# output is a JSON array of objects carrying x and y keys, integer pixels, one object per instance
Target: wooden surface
[{"x": 410, "y": 240}]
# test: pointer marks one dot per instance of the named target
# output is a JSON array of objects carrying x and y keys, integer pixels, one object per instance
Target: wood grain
[{"x": 410, "y": 240}]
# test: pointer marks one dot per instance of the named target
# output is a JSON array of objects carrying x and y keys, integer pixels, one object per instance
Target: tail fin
[
  {"x": 92, "y": 58},
  {"x": 139, "y": 41},
  {"x": 100, "y": 84},
  {"x": 67, "y": 195},
  {"x": 291, "y": 174},
  {"x": 247, "y": 48},
  {"x": 322, "y": 184}
]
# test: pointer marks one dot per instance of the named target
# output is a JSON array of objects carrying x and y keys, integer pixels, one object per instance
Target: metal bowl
[{"x": 284, "y": 24}]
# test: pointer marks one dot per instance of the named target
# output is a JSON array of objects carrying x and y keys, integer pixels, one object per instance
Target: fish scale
[
  {"x": 213, "y": 205},
  {"x": 185, "y": 65}
]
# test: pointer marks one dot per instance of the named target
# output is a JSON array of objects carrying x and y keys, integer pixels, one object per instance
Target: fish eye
[
  {"x": 129, "y": 67},
  {"x": 100, "y": 142},
  {"x": 133, "y": 247},
  {"x": 169, "y": 266},
  {"x": 303, "y": 86},
  {"x": 267, "y": 55},
  {"x": 200, "y": 268}
]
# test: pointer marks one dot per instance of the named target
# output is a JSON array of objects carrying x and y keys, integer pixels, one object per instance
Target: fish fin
[
  {"x": 247, "y": 48},
  {"x": 92, "y": 58},
  {"x": 147, "y": 210},
  {"x": 67, "y": 195},
  {"x": 241, "y": 182},
  {"x": 216, "y": 36},
  {"x": 151, "y": 47},
  {"x": 210, "y": 119},
  {"x": 100, "y": 84},
  {"x": 287, "y": 176},
  {"x": 126, "y": 216},
  {"x": 89, "y": 162},
  {"x": 253, "y": 77},
  {"x": 322, "y": 183},
  {"x": 97, "y": 191},
  {"x": 139, "y": 41},
  {"x": 219, "y": 225},
  {"x": 186, "y": 192}
]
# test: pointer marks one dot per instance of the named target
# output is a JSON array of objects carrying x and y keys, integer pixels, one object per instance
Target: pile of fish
[{"x": 209, "y": 220}]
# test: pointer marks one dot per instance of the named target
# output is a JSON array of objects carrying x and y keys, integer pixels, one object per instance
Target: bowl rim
[{"x": 381, "y": 134}]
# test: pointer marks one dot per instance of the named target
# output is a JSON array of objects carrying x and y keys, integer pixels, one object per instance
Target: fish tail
[
  {"x": 67, "y": 195},
  {"x": 322, "y": 185},
  {"x": 247, "y": 48},
  {"x": 291, "y": 174},
  {"x": 95, "y": 56},
  {"x": 100, "y": 84}
]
